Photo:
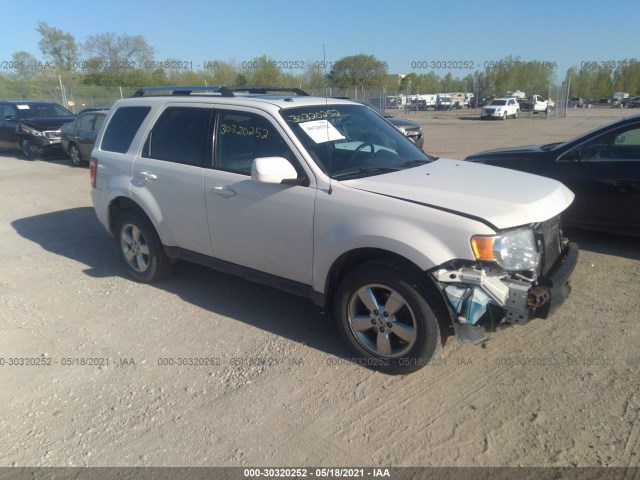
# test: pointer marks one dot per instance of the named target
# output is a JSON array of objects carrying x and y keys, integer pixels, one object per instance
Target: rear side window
[
  {"x": 85, "y": 122},
  {"x": 180, "y": 136},
  {"x": 122, "y": 128}
]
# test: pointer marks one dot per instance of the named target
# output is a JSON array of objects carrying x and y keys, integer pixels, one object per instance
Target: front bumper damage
[{"x": 470, "y": 290}]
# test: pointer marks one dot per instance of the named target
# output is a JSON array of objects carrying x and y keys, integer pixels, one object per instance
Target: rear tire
[
  {"x": 75, "y": 155},
  {"x": 140, "y": 247},
  {"x": 383, "y": 312}
]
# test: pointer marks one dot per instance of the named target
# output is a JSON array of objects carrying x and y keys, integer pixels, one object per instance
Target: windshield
[
  {"x": 498, "y": 102},
  {"x": 349, "y": 141},
  {"x": 31, "y": 110},
  {"x": 379, "y": 111}
]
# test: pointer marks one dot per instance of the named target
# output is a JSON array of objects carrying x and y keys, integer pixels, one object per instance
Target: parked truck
[{"x": 535, "y": 104}]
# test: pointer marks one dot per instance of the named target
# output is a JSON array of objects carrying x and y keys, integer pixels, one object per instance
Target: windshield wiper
[
  {"x": 365, "y": 170},
  {"x": 550, "y": 146},
  {"x": 413, "y": 163}
]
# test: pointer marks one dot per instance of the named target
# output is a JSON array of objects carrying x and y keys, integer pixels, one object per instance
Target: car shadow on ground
[
  {"x": 76, "y": 234},
  {"x": 605, "y": 243}
]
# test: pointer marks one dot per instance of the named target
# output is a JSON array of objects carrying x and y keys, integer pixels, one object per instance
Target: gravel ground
[{"x": 273, "y": 386}]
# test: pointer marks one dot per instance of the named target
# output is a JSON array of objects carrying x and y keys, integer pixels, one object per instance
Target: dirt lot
[{"x": 278, "y": 390}]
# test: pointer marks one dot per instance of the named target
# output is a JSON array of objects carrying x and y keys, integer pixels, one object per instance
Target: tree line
[{"x": 112, "y": 60}]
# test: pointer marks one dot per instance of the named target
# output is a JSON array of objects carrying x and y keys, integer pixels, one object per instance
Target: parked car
[
  {"x": 410, "y": 129},
  {"x": 501, "y": 108},
  {"x": 79, "y": 136},
  {"x": 324, "y": 198},
  {"x": 634, "y": 102},
  {"x": 478, "y": 102},
  {"x": 576, "y": 102},
  {"x": 32, "y": 126},
  {"x": 602, "y": 168}
]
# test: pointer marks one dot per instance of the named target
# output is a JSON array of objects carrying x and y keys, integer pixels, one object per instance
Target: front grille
[
  {"x": 52, "y": 134},
  {"x": 549, "y": 237},
  {"x": 489, "y": 110}
]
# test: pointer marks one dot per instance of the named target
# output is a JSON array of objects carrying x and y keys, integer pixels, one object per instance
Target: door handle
[
  {"x": 148, "y": 175},
  {"x": 224, "y": 191}
]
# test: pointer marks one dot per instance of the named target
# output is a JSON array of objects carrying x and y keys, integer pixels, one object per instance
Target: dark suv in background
[{"x": 32, "y": 126}]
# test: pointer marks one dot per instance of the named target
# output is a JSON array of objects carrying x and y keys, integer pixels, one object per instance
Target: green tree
[
  {"x": 358, "y": 71},
  {"x": 57, "y": 46},
  {"x": 25, "y": 65},
  {"x": 120, "y": 52}
]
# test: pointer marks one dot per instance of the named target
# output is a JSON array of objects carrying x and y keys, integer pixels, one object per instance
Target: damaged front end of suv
[{"x": 524, "y": 271}]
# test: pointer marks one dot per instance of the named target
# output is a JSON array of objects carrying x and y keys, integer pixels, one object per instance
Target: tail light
[{"x": 93, "y": 171}]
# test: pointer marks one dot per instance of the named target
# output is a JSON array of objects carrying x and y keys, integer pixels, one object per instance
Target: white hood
[{"x": 505, "y": 198}]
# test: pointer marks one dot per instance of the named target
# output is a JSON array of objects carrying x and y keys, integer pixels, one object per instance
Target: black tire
[
  {"x": 504, "y": 116},
  {"x": 28, "y": 152},
  {"x": 515, "y": 115},
  {"x": 369, "y": 330},
  {"x": 75, "y": 155},
  {"x": 140, "y": 248}
]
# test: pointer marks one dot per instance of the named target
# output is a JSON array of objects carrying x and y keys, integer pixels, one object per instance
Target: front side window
[
  {"x": 122, "y": 127},
  {"x": 615, "y": 146},
  {"x": 349, "y": 141},
  {"x": 242, "y": 137},
  {"x": 180, "y": 136}
]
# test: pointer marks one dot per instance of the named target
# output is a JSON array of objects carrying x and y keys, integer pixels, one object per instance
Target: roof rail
[
  {"x": 259, "y": 89},
  {"x": 183, "y": 90}
]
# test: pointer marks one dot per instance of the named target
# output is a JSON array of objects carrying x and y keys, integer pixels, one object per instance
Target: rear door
[
  {"x": 83, "y": 135},
  {"x": 7, "y": 127},
  {"x": 168, "y": 175}
]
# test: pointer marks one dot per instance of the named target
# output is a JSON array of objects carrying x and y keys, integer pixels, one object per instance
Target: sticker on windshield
[
  {"x": 23, "y": 107},
  {"x": 321, "y": 131}
]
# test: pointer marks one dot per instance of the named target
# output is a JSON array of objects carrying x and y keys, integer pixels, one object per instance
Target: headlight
[
  {"x": 513, "y": 251},
  {"x": 31, "y": 131}
]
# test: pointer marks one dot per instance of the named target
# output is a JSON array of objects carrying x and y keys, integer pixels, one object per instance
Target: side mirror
[
  {"x": 574, "y": 155},
  {"x": 276, "y": 170}
]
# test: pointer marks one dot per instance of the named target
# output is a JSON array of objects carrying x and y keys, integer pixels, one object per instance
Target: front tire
[
  {"x": 140, "y": 247},
  {"x": 28, "y": 152},
  {"x": 504, "y": 116},
  {"x": 383, "y": 312},
  {"x": 75, "y": 155}
]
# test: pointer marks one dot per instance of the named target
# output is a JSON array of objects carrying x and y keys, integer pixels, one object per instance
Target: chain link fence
[{"x": 77, "y": 97}]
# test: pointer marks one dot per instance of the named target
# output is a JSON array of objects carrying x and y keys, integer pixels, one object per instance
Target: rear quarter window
[{"x": 122, "y": 128}]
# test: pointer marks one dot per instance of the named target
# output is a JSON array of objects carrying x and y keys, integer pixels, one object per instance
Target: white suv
[
  {"x": 501, "y": 108},
  {"x": 324, "y": 198}
]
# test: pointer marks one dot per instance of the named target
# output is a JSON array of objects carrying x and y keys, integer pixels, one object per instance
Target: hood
[
  {"x": 509, "y": 150},
  {"x": 403, "y": 122},
  {"x": 47, "y": 123},
  {"x": 500, "y": 197}
]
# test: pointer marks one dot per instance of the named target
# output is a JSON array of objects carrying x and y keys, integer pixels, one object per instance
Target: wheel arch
[
  {"x": 354, "y": 258},
  {"x": 121, "y": 203}
]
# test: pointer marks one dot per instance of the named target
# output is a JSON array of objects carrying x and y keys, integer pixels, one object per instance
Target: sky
[{"x": 409, "y": 35}]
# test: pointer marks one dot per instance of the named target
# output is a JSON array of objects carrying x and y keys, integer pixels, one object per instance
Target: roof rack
[
  {"x": 264, "y": 90},
  {"x": 182, "y": 90}
]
